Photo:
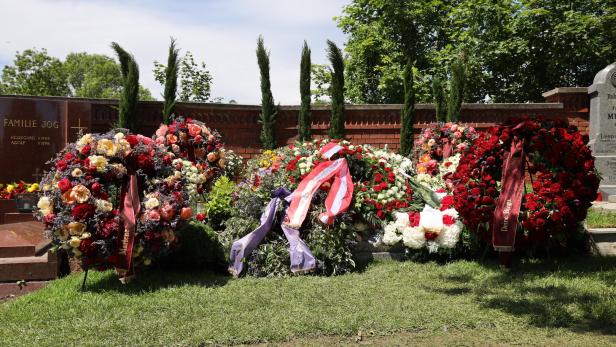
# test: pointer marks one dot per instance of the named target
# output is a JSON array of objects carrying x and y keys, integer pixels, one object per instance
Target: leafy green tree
[
  {"x": 408, "y": 112},
  {"x": 456, "y": 92},
  {"x": 35, "y": 72},
  {"x": 321, "y": 78},
  {"x": 515, "y": 49},
  {"x": 304, "y": 91},
  {"x": 195, "y": 80},
  {"x": 438, "y": 94},
  {"x": 127, "y": 114},
  {"x": 171, "y": 82},
  {"x": 336, "y": 126},
  {"x": 268, "y": 108}
]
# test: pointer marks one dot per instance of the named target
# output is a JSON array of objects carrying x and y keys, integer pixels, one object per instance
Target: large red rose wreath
[
  {"x": 102, "y": 184},
  {"x": 560, "y": 179}
]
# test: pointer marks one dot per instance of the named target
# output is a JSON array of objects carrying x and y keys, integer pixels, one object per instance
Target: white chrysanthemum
[
  {"x": 449, "y": 237},
  {"x": 391, "y": 238},
  {"x": 413, "y": 238},
  {"x": 401, "y": 219}
]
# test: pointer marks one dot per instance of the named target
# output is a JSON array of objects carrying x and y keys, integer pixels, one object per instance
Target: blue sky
[{"x": 222, "y": 33}]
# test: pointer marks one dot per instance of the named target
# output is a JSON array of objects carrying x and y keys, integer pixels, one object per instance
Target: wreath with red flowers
[
  {"x": 560, "y": 184},
  {"x": 82, "y": 198}
]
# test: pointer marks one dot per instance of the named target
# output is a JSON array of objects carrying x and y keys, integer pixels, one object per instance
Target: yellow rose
[
  {"x": 77, "y": 172},
  {"x": 123, "y": 146},
  {"x": 74, "y": 242},
  {"x": 80, "y": 193},
  {"x": 99, "y": 162},
  {"x": 10, "y": 188},
  {"x": 85, "y": 236},
  {"x": 44, "y": 205},
  {"x": 76, "y": 228},
  {"x": 106, "y": 147},
  {"x": 103, "y": 205},
  {"x": 84, "y": 140},
  {"x": 151, "y": 203}
]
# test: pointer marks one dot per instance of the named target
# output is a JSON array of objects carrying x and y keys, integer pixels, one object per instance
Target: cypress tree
[
  {"x": 171, "y": 82},
  {"x": 438, "y": 92},
  {"x": 456, "y": 94},
  {"x": 127, "y": 114},
  {"x": 336, "y": 127},
  {"x": 408, "y": 112},
  {"x": 304, "y": 91},
  {"x": 268, "y": 108}
]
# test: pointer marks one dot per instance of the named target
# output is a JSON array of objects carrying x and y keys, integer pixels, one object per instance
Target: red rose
[
  {"x": 108, "y": 228},
  {"x": 448, "y": 220},
  {"x": 64, "y": 185},
  {"x": 132, "y": 140},
  {"x": 86, "y": 150},
  {"x": 145, "y": 162},
  {"x": 96, "y": 187},
  {"x": 88, "y": 247},
  {"x": 414, "y": 218},
  {"x": 61, "y": 165},
  {"x": 82, "y": 212}
]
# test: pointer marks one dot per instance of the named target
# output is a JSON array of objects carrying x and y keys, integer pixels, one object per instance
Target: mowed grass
[
  {"x": 572, "y": 302},
  {"x": 598, "y": 218}
]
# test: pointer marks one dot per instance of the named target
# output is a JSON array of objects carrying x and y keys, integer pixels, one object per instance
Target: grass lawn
[
  {"x": 598, "y": 218},
  {"x": 391, "y": 303}
]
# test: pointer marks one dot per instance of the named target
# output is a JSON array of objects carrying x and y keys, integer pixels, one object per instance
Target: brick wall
[{"x": 378, "y": 125}]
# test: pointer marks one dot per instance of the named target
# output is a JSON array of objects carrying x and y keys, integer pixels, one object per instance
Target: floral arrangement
[
  {"x": 437, "y": 143},
  {"x": 9, "y": 191},
  {"x": 434, "y": 229},
  {"x": 441, "y": 180},
  {"x": 561, "y": 179},
  {"x": 82, "y": 198}
]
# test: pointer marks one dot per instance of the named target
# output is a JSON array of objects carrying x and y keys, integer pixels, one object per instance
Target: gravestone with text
[
  {"x": 602, "y": 131},
  {"x": 31, "y": 133}
]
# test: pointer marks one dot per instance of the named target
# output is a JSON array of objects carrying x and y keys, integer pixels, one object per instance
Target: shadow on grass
[
  {"x": 153, "y": 280},
  {"x": 578, "y": 293}
]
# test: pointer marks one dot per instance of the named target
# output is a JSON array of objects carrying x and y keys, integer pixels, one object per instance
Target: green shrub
[
  {"x": 198, "y": 247},
  {"x": 219, "y": 204}
]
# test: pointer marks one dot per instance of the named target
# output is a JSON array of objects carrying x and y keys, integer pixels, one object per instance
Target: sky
[{"x": 223, "y": 33}]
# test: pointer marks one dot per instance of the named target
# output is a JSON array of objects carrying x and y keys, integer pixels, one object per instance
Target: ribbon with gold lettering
[
  {"x": 509, "y": 202},
  {"x": 131, "y": 205}
]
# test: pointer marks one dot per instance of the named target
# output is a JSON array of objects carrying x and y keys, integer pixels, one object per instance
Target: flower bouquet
[{"x": 435, "y": 144}]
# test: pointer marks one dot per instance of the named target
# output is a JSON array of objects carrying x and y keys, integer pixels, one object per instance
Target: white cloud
[{"x": 223, "y": 33}]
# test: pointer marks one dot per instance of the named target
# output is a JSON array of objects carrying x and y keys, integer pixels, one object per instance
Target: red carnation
[
  {"x": 447, "y": 202},
  {"x": 414, "y": 218},
  {"x": 448, "y": 220},
  {"x": 82, "y": 212},
  {"x": 64, "y": 185}
]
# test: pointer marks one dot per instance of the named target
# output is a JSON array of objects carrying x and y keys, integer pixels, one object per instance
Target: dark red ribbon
[
  {"x": 509, "y": 202},
  {"x": 131, "y": 205}
]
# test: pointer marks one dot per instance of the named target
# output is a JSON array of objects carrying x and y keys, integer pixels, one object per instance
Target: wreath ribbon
[
  {"x": 131, "y": 205},
  {"x": 509, "y": 202}
]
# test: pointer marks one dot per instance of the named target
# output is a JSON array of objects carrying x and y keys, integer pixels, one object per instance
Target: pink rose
[
  {"x": 457, "y": 134},
  {"x": 454, "y": 127},
  {"x": 160, "y": 140},
  {"x": 162, "y": 130},
  {"x": 172, "y": 138},
  {"x": 194, "y": 130},
  {"x": 167, "y": 212},
  {"x": 198, "y": 139},
  {"x": 154, "y": 215}
]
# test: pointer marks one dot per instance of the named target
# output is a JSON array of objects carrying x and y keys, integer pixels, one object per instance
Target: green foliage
[
  {"x": 171, "y": 82},
  {"x": 336, "y": 127},
  {"x": 456, "y": 92},
  {"x": 268, "y": 108},
  {"x": 321, "y": 78},
  {"x": 127, "y": 113},
  {"x": 408, "y": 112},
  {"x": 438, "y": 94},
  {"x": 93, "y": 75},
  {"x": 218, "y": 206},
  {"x": 35, "y": 73},
  {"x": 331, "y": 248},
  {"x": 304, "y": 91},
  {"x": 195, "y": 80},
  {"x": 515, "y": 50},
  {"x": 198, "y": 248}
]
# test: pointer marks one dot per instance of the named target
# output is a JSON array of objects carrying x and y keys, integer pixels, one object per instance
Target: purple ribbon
[{"x": 302, "y": 259}]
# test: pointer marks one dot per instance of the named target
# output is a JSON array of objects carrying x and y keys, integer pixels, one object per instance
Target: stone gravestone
[
  {"x": 602, "y": 132},
  {"x": 31, "y": 133}
]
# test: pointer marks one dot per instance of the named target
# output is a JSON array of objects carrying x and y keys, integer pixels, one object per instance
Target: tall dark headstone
[
  {"x": 31, "y": 132},
  {"x": 602, "y": 130}
]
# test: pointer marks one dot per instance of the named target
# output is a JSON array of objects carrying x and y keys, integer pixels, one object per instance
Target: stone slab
[
  {"x": 12, "y": 245},
  {"x": 9, "y": 291},
  {"x": 42, "y": 267},
  {"x": 18, "y": 217},
  {"x": 6, "y": 206},
  {"x": 603, "y": 241}
]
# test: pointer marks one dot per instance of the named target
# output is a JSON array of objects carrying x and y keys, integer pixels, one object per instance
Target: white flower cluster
[
  {"x": 194, "y": 177},
  {"x": 431, "y": 222}
]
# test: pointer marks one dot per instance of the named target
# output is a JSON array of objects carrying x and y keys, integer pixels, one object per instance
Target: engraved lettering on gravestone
[{"x": 613, "y": 78}]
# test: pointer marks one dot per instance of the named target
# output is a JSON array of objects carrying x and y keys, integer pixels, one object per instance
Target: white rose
[
  {"x": 103, "y": 205},
  {"x": 413, "y": 238},
  {"x": 151, "y": 203},
  {"x": 119, "y": 136},
  {"x": 77, "y": 172},
  {"x": 44, "y": 205},
  {"x": 391, "y": 238},
  {"x": 99, "y": 162},
  {"x": 431, "y": 220}
]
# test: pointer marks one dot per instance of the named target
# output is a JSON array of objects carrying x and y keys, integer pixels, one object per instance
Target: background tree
[
  {"x": 171, "y": 82},
  {"x": 334, "y": 54},
  {"x": 515, "y": 49},
  {"x": 34, "y": 72},
  {"x": 85, "y": 75},
  {"x": 268, "y": 108},
  {"x": 456, "y": 91},
  {"x": 304, "y": 91},
  {"x": 195, "y": 80},
  {"x": 127, "y": 113},
  {"x": 408, "y": 112},
  {"x": 321, "y": 77},
  {"x": 438, "y": 93}
]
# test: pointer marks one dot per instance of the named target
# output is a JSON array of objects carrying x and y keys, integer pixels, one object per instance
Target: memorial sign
[
  {"x": 602, "y": 130},
  {"x": 31, "y": 133}
]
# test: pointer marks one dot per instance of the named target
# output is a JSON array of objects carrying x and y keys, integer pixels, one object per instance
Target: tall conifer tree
[
  {"x": 456, "y": 93},
  {"x": 268, "y": 108},
  {"x": 127, "y": 113},
  {"x": 336, "y": 127},
  {"x": 171, "y": 82},
  {"x": 304, "y": 91},
  {"x": 438, "y": 93}
]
